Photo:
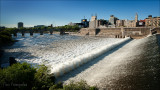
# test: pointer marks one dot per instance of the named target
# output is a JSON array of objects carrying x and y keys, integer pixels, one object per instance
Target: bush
[
  {"x": 82, "y": 85},
  {"x": 5, "y": 37},
  {"x": 18, "y": 76},
  {"x": 58, "y": 86},
  {"x": 43, "y": 80},
  {"x": 25, "y": 77}
]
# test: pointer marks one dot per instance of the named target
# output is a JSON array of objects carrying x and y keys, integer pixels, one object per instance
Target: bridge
[{"x": 41, "y": 31}]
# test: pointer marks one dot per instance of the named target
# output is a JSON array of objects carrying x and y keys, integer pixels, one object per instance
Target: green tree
[
  {"x": 18, "y": 76},
  {"x": 43, "y": 80}
]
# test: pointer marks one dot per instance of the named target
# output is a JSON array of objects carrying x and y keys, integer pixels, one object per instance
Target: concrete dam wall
[{"x": 137, "y": 32}]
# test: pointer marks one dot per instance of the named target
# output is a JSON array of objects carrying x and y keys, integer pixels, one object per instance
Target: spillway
[
  {"x": 60, "y": 54},
  {"x": 84, "y": 58}
]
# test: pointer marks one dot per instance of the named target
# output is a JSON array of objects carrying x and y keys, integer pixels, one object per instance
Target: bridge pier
[
  {"x": 15, "y": 34},
  {"x": 51, "y": 31},
  {"x": 61, "y": 32},
  {"x": 31, "y": 32},
  {"x": 23, "y": 32},
  {"x": 41, "y": 32}
]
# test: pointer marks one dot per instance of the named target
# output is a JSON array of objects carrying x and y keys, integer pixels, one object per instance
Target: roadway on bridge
[{"x": 133, "y": 66}]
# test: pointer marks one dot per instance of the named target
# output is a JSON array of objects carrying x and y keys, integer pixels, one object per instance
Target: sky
[{"x": 62, "y": 12}]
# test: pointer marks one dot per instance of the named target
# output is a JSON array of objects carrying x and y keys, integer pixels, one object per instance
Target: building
[
  {"x": 119, "y": 23},
  {"x": 152, "y": 21},
  {"x": 93, "y": 18},
  {"x": 80, "y": 25},
  {"x": 20, "y": 24},
  {"x": 132, "y": 23},
  {"x": 72, "y": 24},
  {"x": 51, "y": 25},
  {"x": 85, "y": 23},
  {"x": 129, "y": 23},
  {"x": 141, "y": 23},
  {"x": 94, "y": 22},
  {"x": 102, "y": 23},
  {"x": 113, "y": 20},
  {"x": 136, "y": 18},
  {"x": 38, "y": 26}
]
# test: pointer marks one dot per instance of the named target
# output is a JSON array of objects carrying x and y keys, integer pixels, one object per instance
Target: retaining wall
[{"x": 137, "y": 32}]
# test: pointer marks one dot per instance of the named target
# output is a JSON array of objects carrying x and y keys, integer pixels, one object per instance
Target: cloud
[{"x": 15, "y": 25}]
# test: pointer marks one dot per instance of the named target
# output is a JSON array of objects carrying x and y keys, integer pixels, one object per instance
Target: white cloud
[{"x": 15, "y": 25}]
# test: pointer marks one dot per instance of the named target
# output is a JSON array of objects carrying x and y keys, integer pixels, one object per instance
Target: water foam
[{"x": 84, "y": 58}]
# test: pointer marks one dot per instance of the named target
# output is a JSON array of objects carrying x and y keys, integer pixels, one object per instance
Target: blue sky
[{"x": 61, "y": 12}]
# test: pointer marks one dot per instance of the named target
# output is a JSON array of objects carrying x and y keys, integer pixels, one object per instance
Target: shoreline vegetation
[
  {"x": 25, "y": 77},
  {"x": 22, "y": 76}
]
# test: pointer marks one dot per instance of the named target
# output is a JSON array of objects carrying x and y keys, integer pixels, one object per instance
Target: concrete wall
[
  {"x": 156, "y": 30},
  {"x": 110, "y": 32},
  {"x": 136, "y": 32},
  {"x": 84, "y": 31},
  {"x": 139, "y": 32}
]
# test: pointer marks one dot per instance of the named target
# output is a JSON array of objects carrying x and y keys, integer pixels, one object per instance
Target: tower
[
  {"x": 93, "y": 18},
  {"x": 20, "y": 24},
  {"x": 94, "y": 22},
  {"x": 136, "y": 18}
]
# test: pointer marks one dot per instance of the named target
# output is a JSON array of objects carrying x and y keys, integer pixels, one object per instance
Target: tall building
[
  {"x": 152, "y": 21},
  {"x": 93, "y": 23},
  {"x": 136, "y": 18},
  {"x": 112, "y": 20},
  {"x": 20, "y": 24},
  {"x": 93, "y": 18}
]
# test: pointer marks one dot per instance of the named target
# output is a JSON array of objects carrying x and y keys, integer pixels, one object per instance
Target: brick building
[{"x": 152, "y": 21}]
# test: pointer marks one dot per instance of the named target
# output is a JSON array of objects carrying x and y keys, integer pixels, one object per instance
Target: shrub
[
  {"x": 5, "y": 37},
  {"x": 25, "y": 77},
  {"x": 43, "y": 80},
  {"x": 58, "y": 86},
  {"x": 18, "y": 76},
  {"x": 82, "y": 85}
]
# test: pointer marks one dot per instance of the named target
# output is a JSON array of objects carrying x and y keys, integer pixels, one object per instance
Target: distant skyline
[{"x": 62, "y": 12}]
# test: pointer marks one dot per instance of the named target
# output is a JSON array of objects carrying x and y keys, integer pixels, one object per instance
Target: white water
[
  {"x": 60, "y": 53},
  {"x": 81, "y": 59}
]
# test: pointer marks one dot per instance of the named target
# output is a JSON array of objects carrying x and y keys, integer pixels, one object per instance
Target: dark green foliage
[
  {"x": 43, "y": 80},
  {"x": 57, "y": 86},
  {"x": 5, "y": 36},
  {"x": 82, "y": 85},
  {"x": 18, "y": 74},
  {"x": 68, "y": 28},
  {"x": 24, "y": 77}
]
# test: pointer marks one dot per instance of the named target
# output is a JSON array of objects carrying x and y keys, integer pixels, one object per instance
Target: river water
[{"x": 52, "y": 50}]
